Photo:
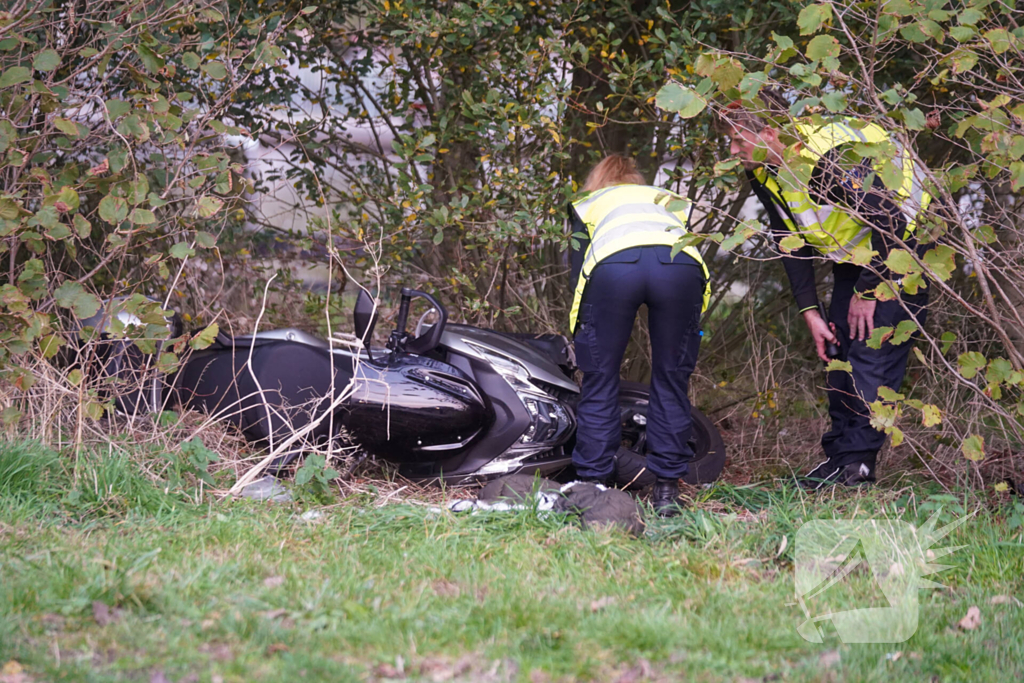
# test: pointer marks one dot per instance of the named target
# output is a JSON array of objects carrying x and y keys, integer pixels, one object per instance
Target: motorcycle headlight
[
  {"x": 514, "y": 372},
  {"x": 549, "y": 421}
]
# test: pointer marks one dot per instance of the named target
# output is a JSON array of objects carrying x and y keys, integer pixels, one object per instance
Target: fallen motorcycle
[{"x": 448, "y": 401}]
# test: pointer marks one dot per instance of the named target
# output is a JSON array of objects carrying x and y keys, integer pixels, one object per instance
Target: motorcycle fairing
[
  {"x": 457, "y": 339},
  {"x": 415, "y": 409},
  {"x": 412, "y": 408},
  {"x": 502, "y": 448}
]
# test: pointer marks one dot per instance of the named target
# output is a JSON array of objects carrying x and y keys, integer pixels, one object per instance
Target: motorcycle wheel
[{"x": 708, "y": 446}]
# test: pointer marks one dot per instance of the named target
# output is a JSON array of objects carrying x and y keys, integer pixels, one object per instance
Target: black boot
[
  {"x": 666, "y": 497},
  {"x": 827, "y": 474}
]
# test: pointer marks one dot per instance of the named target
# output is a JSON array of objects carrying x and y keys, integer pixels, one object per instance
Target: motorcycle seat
[
  {"x": 287, "y": 334},
  {"x": 557, "y": 347}
]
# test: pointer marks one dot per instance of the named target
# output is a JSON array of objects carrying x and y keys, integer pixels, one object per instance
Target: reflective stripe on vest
[
  {"x": 831, "y": 230},
  {"x": 626, "y": 216}
]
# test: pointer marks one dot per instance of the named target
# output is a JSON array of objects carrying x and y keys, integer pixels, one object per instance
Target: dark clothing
[
  {"x": 618, "y": 285},
  {"x": 837, "y": 184},
  {"x": 852, "y": 439}
]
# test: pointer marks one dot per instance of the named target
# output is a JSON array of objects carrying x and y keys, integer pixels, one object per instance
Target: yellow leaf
[
  {"x": 11, "y": 668},
  {"x": 973, "y": 447}
]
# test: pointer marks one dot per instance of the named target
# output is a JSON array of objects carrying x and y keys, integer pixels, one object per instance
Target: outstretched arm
[{"x": 799, "y": 267}]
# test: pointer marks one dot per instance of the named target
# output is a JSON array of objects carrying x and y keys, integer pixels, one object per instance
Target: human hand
[
  {"x": 821, "y": 331},
  {"x": 861, "y": 317}
]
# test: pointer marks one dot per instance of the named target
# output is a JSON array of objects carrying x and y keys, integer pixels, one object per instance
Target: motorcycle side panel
[
  {"x": 416, "y": 410},
  {"x": 508, "y": 421}
]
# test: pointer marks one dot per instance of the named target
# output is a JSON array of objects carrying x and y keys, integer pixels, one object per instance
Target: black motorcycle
[{"x": 448, "y": 401}]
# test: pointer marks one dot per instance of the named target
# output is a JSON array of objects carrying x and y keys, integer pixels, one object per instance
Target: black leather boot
[{"x": 666, "y": 497}]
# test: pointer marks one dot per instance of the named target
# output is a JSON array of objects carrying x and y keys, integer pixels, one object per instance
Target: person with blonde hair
[{"x": 627, "y": 230}]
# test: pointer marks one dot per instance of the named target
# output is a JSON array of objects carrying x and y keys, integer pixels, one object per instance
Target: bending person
[
  {"x": 845, "y": 206},
  {"x": 625, "y": 261}
]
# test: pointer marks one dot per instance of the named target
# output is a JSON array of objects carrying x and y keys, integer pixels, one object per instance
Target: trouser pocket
[{"x": 585, "y": 341}]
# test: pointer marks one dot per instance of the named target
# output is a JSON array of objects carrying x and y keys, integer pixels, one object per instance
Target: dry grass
[{"x": 755, "y": 415}]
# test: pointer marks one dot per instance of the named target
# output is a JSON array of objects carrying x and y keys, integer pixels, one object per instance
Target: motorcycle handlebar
[{"x": 401, "y": 341}]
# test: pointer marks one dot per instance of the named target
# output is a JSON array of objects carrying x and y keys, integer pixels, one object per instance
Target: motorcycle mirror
[{"x": 365, "y": 317}]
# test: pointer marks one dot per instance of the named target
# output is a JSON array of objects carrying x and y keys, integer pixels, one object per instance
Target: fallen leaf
[
  {"x": 220, "y": 652},
  {"x": 102, "y": 613},
  {"x": 274, "y": 648},
  {"x": 827, "y": 660},
  {"x": 274, "y": 613},
  {"x": 12, "y": 672},
  {"x": 1003, "y": 600},
  {"x": 639, "y": 672},
  {"x": 273, "y": 581},
  {"x": 971, "y": 620},
  {"x": 387, "y": 671},
  {"x": 446, "y": 589},
  {"x": 601, "y": 603},
  {"x": 11, "y": 668},
  {"x": 539, "y": 676}
]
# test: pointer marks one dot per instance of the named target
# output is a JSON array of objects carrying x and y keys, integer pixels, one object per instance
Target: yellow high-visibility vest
[
  {"x": 831, "y": 230},
  {"x": 625, "y": 216}
]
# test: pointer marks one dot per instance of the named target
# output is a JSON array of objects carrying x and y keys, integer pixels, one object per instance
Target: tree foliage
[
  {"x": 112, "y": 120},
  {"x": 437, "y": 143}
]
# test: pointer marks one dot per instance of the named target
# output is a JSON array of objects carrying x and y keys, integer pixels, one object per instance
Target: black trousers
[
  {"x": 673, "y": 291},
  {"x": 852, "y": 439}
]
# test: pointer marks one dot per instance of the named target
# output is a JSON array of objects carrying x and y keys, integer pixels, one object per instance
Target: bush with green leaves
[
  {"x": 436, "y": 144},
  {"x": 116, "y": 177}
]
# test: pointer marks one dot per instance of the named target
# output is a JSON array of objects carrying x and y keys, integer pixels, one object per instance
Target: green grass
[{"x": 368, "y": 592}]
